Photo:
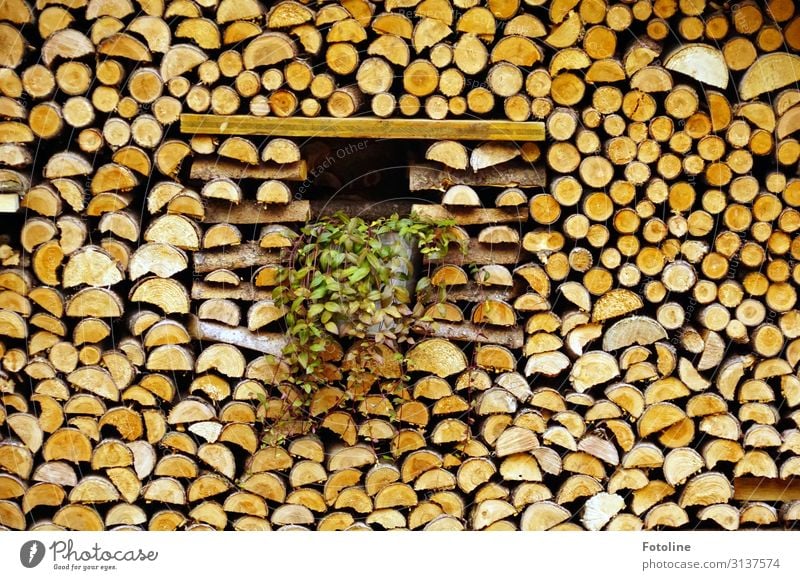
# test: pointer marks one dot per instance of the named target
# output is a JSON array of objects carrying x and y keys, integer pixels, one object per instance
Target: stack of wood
[
  {"x": 434, "y": 57},
  {"x": 617, "y": 348}
]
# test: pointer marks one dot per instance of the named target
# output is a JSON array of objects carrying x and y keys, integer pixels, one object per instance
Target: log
[
  {"x": 204, "y": 169},
  {"x": 768, "y": 73},
  {"x": 249, "y": 212},
  {"x": 247, "y": 255},
  {"x": 245, "y": 291},
  {"x": 702, "y": 62},
  {"x": 468, "y": 216},
  {"x": 423, "y": 176},
  {"x": 511, "y": 338},
  {"x": 477, "y": 253}
]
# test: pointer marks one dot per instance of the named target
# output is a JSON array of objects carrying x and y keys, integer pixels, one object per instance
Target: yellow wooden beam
[
  {"x": 363, "y": 128},
  {"x": 766, "y": 489}
]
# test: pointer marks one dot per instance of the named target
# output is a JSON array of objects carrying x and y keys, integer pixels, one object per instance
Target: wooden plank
[
  {"x": 468, "y": 332},
  {"x": 252, "y": 212},
  {"x": 430, "y": 176},
  {"x": 265, "y": 342},
  {"x": 481, "y": 254},
  {"x": 205, "y": 168},
  {"x": 364, "y": 207},
  {"x": 363, "y": 127},
  {"x": 471, "y": 216},
  {"x": 766, "y": 489},
  {"x": 247, "y": 255},
  {"x": 244, "y": 291},
  {"x": 474, "y": 292}
]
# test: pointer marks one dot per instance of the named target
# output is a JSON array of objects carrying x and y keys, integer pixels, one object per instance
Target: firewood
[
  {"x": 226, "y": 101},
  {"x": 774, "y": 68},
  {"x": 543, "y": 515},
  {"x": 600, "y": 509},
  {"x": 701, "y": 61},
  {"x": 93, "y": 489},
  {"x": 43, "y": 494},
  {"x": 450, "y": 153},
  {"x": 345, "y": 102},
  {"x": 157, "y": 258},
  {"x": 79, "y": 518},
  {"x": 250, "y": 213},
  {"x": 98, "y": 302},
  {"x": 655, "y": 294},
  {"x": 666, "y": 515},
  {"x": 91, "y": 266},
  {"x": 165, "y": 293}
]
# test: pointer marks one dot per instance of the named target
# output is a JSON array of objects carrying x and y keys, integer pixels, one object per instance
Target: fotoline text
[{"x": 665, "y": 547}]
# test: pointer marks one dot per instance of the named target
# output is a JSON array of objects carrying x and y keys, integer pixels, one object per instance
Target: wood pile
[{"x": 617, "y": 349}]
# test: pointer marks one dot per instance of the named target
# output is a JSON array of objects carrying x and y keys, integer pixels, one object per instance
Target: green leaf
[
  {"x": 373, "y": 260},
  {"x": 402, "y": 295},
  {"x": 347, "y": 275},
  {"x": 318, "y": 293},
  {"x": 360, "y": 273}
]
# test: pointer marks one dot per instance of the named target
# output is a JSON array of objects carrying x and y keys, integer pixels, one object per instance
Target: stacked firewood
[{"x": 616, "y": 349}]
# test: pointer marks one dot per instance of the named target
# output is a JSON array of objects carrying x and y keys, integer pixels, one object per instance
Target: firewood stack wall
[{"x": 618, "y": 348}]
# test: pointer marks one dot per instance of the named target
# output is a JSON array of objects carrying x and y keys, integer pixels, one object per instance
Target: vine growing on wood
[{"x": 349, "y": 278}]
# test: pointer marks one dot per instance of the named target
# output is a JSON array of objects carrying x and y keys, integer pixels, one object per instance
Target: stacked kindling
[{"x": 617, "y": 348}]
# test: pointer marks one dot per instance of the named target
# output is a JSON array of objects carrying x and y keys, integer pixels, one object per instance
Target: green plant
[{"x": 348, "y": 278}]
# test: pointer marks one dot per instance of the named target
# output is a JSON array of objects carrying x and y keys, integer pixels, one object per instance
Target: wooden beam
[
  {"x": 426, "y": 176},
  {"x": 247, "y": 255},
  {"x": 468, "y": 332},
  {"x": 206, "y": 168},
  {"x": 474, "y": 292},
  {"x": 481, "y": 254},
  {"x": 266, "y": 342},
  {"x": 766, "y": 489},
  {"x": 471, "y": 216},
  {"x": 244, "y": 291},
  {"x": 363, "y": 127},
  {"x": 366, "y": 208},
  {"x": 252, "y": 212}
]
